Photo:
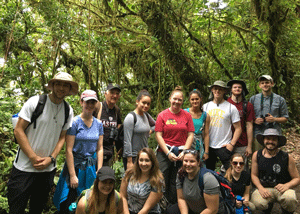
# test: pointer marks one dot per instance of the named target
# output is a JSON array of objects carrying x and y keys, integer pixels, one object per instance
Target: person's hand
[
  {"x": 129, "y": 165},
  {"x": 229, "y": 147},
  {"x": 264, "y": 193},
  {"x": 205, "y": 157},
  {"x": 270, "y": 118},
  {"x": 258, "y": 120},
  {"x": 246, "y": 203},
  {"x": 248, "y": 151},
  {"x": 281, "y": 187},
  {"x": 180, "y": 156},
  {"x": 238, "y": 204},
  {"x": 172, "y": 157},
  {"x": 41, "y": 163},
  {"x": 73, "y": 182}
]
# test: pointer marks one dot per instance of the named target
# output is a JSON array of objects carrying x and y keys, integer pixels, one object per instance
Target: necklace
[{"x": 57, "y": 111}]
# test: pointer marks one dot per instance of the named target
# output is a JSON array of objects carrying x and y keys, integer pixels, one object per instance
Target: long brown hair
[
  {"x": 156, "y": 177},
  {"x": 94, "y": 200},
  {"x": 228, "y": 174}
]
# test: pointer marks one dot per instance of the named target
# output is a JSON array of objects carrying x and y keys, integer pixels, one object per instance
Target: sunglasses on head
[
  {"x": 193, "y": 152},
  {"x": 235, "y": 163}
]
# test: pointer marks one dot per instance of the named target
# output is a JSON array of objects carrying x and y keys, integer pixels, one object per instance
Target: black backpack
[{"x": 40, "y": 108}]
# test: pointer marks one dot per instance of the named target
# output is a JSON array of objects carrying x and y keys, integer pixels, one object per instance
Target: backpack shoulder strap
[
  {"x": 117, "y": 198},
  {"x": 134, "y": 117},
  {"x": 100, "y": 111},
  {"x": 67, "y": 112},
  {"x": 39, "y": 109},
  {"x": 200, "y": 181}
]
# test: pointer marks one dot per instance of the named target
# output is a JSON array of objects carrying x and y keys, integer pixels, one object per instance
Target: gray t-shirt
[
  {"x": 192, "y": 192},
  {"x": 136, "y": 135},
  {"x": 278, "y": 109}
]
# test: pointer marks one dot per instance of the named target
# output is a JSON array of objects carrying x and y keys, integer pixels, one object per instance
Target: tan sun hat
[{"x": 63, "y": 77}]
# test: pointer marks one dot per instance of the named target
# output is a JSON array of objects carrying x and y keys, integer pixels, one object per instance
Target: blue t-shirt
[{"x": 86, "y": 138}]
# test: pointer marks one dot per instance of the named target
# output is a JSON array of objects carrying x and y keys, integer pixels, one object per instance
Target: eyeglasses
[
  {"x": 235, "y": 163},
  {"x": 193, "y": 152}
]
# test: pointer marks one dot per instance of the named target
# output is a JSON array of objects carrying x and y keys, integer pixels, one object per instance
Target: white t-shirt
[
  {"x": 222, "y": 116},
  {"x": 44, "y": 138}
]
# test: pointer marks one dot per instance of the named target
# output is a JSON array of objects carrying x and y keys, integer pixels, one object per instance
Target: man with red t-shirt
[{"x": 246, "y": 110}]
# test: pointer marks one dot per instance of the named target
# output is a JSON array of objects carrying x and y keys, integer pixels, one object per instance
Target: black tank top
[{"x": 273, "y": 171}]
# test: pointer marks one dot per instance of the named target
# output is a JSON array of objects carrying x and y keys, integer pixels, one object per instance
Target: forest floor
[{"x": 292, "y": 147}]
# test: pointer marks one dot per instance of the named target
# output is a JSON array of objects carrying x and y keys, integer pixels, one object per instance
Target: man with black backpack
[
  {"x": 35, "y": 163},
  {"x": 238, "y": 92}
]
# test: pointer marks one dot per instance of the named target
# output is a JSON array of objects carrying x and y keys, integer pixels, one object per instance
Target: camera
[
  {"x": 113, "y": 134},
  {"x": 264, "y": 116}
]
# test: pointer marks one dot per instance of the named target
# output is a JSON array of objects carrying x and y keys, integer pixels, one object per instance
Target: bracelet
[
  {"x": 206, "y": 153},
  {"x": 231, "y": 144},
  {"x": 168, "y": 153},
  {"x": 53, "y": 160}
]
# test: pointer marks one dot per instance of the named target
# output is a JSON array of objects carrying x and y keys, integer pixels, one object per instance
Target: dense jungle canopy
[{"x": 151, "y": 44}]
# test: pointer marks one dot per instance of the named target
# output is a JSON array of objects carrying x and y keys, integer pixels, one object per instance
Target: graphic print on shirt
[
  {"x": 216, "y": 115},
  {"x": 276, "y": 168},
  {"x": 171, "y": 122}
]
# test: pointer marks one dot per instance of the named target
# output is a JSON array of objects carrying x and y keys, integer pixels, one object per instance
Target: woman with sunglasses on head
[
  {"x": 102, "y": 198},
  {"x": 174, "y": 131},
  {"x": 191, "y": 199},
  {"x": 138, "y": 125},
  {"x": 143, "y": 185},
  {"x": 201, "y": 122},
  {"x": 239, "y": 180},
  {"x": 84, "y": 154}
]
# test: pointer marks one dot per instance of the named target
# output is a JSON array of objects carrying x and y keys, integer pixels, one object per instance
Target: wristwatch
[{"x": 53, "y": 160}]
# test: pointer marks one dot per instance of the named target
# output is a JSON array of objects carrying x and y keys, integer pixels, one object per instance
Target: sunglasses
[
  {"x": 235, "y": 163},
  {"x": 193, "y": 152}
]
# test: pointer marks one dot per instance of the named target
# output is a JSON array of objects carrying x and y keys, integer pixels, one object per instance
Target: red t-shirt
[
  {"x": 175, "y": 127},
  {"x": 243, "y": 141}
]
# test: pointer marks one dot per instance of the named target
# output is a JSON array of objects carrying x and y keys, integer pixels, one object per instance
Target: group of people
[{"x": 228, "y": 129}]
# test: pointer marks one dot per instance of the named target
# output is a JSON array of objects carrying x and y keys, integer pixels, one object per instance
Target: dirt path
[{"x": 292, "y": 147}]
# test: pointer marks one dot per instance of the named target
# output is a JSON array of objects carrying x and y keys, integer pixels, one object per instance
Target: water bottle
[
  {"x": 239, "y": 210},
  {"x": 14, "y": 120},
  {"x": 243, "y": 209}
]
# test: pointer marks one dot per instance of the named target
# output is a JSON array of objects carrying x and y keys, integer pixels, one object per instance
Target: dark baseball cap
[
  {"x": 105, "y": 172},
  {"x": 111, "y": 86}
]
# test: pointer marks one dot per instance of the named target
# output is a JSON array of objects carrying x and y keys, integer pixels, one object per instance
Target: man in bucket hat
[
  {"x": 35, "y": 164},
  {"x": 223, "y": 115},
  {"x": 274, "y": 173},
  {"x": 270, "y": 109},
  {"x": 237, "y": 98}
]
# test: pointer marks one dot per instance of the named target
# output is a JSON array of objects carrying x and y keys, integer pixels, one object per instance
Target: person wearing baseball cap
[
  {"x": 270, "y": 109},
  {"x": 35, "y": 165},
  {"x": 274, "y": 173},
  {"x": 102, "y": 196},
  {"x": 223, "y": 115},
  {"x": 110, "y": 115},
  {"x": 84, "y": 152},
  {"x": 238, "y": 91}
]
